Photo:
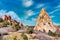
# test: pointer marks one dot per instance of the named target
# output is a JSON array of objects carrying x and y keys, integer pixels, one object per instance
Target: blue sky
[{"x": 27, "y": 11}]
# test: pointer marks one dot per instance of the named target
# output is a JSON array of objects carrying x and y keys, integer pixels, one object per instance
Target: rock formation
[
  {"x": 5, "y": 17},
  {"x": 8, "y": 18},
  {"x": 44, "y": 23}
]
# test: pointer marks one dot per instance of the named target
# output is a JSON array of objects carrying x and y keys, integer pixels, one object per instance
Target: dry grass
[{"x": 12, "y": 35}]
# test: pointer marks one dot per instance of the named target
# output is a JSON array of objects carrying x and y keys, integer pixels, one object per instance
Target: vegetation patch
[
  {"x": 53, "y": 34},
  {"x": 15, "y": 38},
  {"x": 29, "y": 30},
  {"x": 24, "y": 36}
]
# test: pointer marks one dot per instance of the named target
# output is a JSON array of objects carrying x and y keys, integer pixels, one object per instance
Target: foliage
[
  {"x": 58, "y": 35},
  {"x": 51, "y": 33},
  {"x": 1, "y": 25},
  {"x": 24, "y": 36},
  {"x": 10, "y": 23},
  {"x": 5, "y": 23},
  {"x": 15, "y": 38},
  {"x": 30, "y": 30},
  {"x": 16, "y": 27}
]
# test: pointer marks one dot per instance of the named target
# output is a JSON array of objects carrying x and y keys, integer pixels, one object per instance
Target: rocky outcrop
[
  {"x": 8, "y": 18},
  {"x": 44, "y": 23},
  {"x": 20, "y": 24}
]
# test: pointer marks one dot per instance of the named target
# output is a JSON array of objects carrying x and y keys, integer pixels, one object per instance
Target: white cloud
[
  {"x": 39, "y": 5},
  {"x": 52, "y": 16},
  {"x": 33, "y": 19},
  {"x": 58, "y": 6},
  {"x": 54, "y": 11},
  {"x": 27, "y": 3},
  {"x": 29, "y": 13},
  {"x": 28, "y": 22},
  {"x": 10, "y": 13},
  {"x": 15, "y": 16}
]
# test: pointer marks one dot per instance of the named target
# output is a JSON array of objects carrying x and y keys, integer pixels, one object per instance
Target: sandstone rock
[
  {"x": 44, "y": 23},
  {"x": 5, "y": 17},
  {"x": 8, "y": 18},
  {"x": 19, "y": 23}
]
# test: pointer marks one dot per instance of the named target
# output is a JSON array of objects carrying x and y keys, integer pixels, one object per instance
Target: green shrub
[
  {"x": 30, "y": 30},
  {"x": 24, "y": 36},
  {"x": 5, "y": 23},
  {"x": 51, "y": 33},
  {"x": 1, "y": 25},
  {"x": 10, "y": 23},
  {"x": 15, "y": 38},
  {"x": 58, "y": 35},
  {"x": 15, "y": 27}
]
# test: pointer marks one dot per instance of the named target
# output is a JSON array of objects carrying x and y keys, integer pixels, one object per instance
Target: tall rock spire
[
  {"x": 44, "y": 22},
  {"x": 43, "y": 11}
]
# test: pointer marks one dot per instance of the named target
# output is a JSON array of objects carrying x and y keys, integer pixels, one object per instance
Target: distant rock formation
[
  {"x": 44, "y": 22},
  {"x": 8, "y": 18}
]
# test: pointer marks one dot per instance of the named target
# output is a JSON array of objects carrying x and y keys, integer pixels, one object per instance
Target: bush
[
  {"x": 58, "y": 35},
  {"x": 1, "y": 25},
  {"x": 15, "y": 38},
  {"x": 24, "y": 36},
  {"x": 10, "y": 23},
  {"x": 51, "y": 33},
  {"x": 29, "y": 30},
  {"x": 16, "y": 27},
  {"x": 5, "y": 23}
]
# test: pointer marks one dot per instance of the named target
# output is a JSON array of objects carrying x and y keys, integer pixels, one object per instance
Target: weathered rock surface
[{"x": 44, "y": 23}]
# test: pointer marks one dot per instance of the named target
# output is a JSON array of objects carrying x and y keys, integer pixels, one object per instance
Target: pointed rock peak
[
  {"x": 44, "y": 23},
  {"x": 43, "y": 12}
]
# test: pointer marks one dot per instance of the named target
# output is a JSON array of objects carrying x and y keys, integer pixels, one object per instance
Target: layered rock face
[{"x": 44, "y": 22}]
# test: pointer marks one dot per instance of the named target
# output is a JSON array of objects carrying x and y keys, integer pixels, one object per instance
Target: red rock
[
  {"x": 9, "y": 17},
  {"x": 4, "y": 17},
  {"x": 20, "y": 24},
  {"x": 13, "y": 21}
]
